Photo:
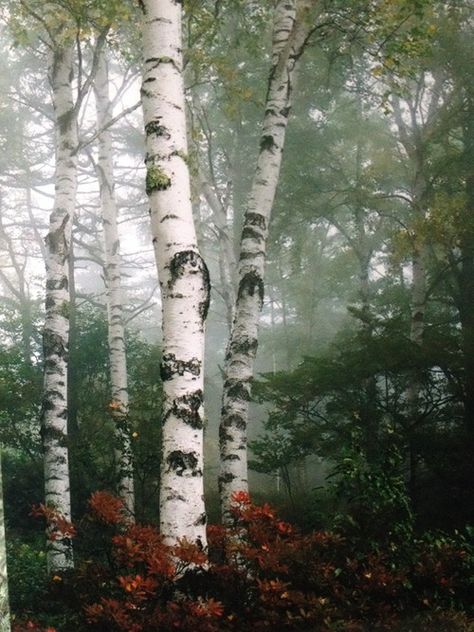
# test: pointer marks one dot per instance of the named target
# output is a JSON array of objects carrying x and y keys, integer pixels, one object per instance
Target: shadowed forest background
[{"x": 361, "y": 399}]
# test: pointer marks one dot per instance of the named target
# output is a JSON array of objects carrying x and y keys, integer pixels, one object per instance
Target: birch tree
[
  {"x": 56, "y": 327},
  {"x": 61, "y": 33},
  {"x": 290, "y": 33},
  {"x": 183, "y": 275},
  {"x": 116, "y": 331}
]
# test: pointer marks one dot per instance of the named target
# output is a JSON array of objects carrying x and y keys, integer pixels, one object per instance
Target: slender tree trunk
[
  {"x": 116, "y": 330},
  {"x": 183, "y": 275},
  {"x": 4, "y": 600},
  {"x": 56, "y": 328},
  {"x": 289, "y": 36}
]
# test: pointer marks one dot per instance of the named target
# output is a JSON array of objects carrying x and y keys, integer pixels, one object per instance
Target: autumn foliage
[{"x": 264, "y": 573}]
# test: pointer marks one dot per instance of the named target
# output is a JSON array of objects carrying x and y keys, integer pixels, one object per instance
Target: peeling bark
[
  {"x": 56, "y": 328},
  {"x": 116, "y": 331},
  {"x": 184, "y": 279},
  {"x": 289, "y": 36}
]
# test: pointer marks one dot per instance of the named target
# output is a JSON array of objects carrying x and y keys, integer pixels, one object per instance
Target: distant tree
[{"x": 116, "y": 331}]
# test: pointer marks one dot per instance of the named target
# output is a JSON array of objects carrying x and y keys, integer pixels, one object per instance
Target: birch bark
[
  {"x": 116, "y": 330},
  {"x": 56, "y": 328},
  {"x": 4, "y": 600},
  {"x": 183, "y": 275},
  {"x": 290, "y": 33}
]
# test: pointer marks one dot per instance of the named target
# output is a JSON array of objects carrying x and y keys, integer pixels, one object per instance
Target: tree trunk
[
  {"x": 4, "y": 600},
  {"x": 56, "y": 328},
  {"x": 116, "y": 331},
  {"x": 289, "y": 36},
  {"x": 183, "y": 275}
]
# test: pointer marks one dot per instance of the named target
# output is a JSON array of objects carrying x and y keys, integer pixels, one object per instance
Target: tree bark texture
[
  {"x": 289, "y": 36},
  {"x": 183, "y": 275},
  {"x": 4, "y": 600},
  {"x": 56, "y": 328},
  {"x": 116, "y": 331}
]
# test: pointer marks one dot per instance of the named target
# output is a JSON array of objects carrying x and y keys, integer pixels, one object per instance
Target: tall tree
[
  {"x": 56, "y": 327},
  {"x": 61, "y": 31},
  {"x": 116, "y": 330},
  {"x": 290, "y": 33},
  {"x": 183, "y": 275}
]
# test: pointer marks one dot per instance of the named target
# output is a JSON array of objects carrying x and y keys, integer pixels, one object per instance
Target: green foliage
[
  {"x": 20, "y": 394},
  {"x": 371, "y": 500},
  {"x": 27, "y": 574}
]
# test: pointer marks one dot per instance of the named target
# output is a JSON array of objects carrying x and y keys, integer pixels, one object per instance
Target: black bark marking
[
  {"x": 267, "y": 143},
  {"x": 250, "y": 233},
  {"x": 224, "y": 436},
  {"x": 250, "y": 283},
  {"x": 191, "y": 262},
  {"x": 270, "y": 112},
  {"x": 237, "y": 389},
  {"x": 224, "y": 479},
  {"x": 168, "y": 216},
  {"x": 181, "y": 462},
  {"x": 235, "y": 421},
  {"x": 187, "y": 409},
  {"x": 155, "y": 127},
  {"x": 54, "y": 436},
  {"x": 179, "y": 262},
  {"x": 56, "y": 239},
  {"x": 170, "y": 366},
  {"x": 62, "y": 284},
  {"x": 255, "y": 219},
  {"x": 251, "y": 255},
  {"x": 54, "y": 344},
  {"x": 246, "y": 346},
  {"x": 206, "y": 282},
  {"x": 65, "y": 121}
]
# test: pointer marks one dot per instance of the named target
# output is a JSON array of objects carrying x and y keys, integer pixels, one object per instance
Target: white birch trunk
[
  {"x": 116, "y": 330},
  {"x": 289, "y": 35},
  {"x": 56, "y": 328},
  {"x": 183, "y": 275},
  {"x": 4, "y": 600}
]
